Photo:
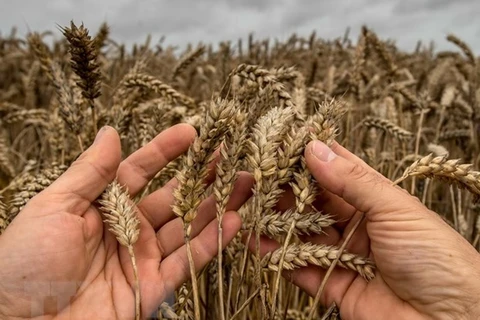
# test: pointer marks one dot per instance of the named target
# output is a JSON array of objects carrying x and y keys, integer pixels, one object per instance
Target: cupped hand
[
  {"x": 58, "y": 260},
  {"x": 425, "y": 270}
]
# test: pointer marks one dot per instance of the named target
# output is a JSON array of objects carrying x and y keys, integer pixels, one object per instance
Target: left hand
[{"x": 58, "y": 260}]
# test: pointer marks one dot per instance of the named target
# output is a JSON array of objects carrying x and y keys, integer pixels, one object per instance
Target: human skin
[
  {"x": 425, "y": 270},
  {"x": 58, "y": 260}
]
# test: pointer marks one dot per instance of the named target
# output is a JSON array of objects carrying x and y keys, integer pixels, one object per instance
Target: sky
[{"x": 211, "y": 21}]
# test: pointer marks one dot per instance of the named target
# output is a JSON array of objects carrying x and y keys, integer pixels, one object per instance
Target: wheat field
[{"x": 412, "y": 116}]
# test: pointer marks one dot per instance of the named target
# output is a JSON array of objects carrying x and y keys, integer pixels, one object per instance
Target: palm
[
  {"x": 414, "y": 250},
  {"x": 65, "y": 246}
]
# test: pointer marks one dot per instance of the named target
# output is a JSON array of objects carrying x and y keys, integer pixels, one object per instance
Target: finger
[
  {"x": 141, "y": 166},
  {"x": 359, "y": 185},
  {"x": 89, "y": 175},
  {"x": 171, "y": 237},
  {"x": 175, "y": 268}
]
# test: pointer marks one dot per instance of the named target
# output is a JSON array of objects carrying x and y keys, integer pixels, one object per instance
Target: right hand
[{"x": 425, "y": 270}]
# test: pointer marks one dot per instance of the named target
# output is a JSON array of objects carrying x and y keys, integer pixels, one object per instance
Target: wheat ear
[
  {"x": 464, "y": 47},
  {"x": 264, "y": 78},
  {"x": 145, "y": 81},
  {"x": 187, "y": 60},
  {"x": 120, "y": 215},
  {"x": 191, "y": 189},
  {"x": 223, "y": 187},
  {"x": 384, "y": 124},
  {"x": 33, "y": 185},
  {"x": 450, "y": 171},
  {"x": 69, "y": 112},
  {"x": 84, "y": 53},
  {"x": 267, "y": 136},
  {"x": 300, "y": 255},
  {"x": 274, "y": 224}
]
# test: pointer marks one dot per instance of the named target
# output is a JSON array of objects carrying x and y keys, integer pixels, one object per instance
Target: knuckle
[
  {"x": 84, "y": 161},
  {"x": 183, "y": 265},
  {"x": 357, "y": 172},
  {"x": 102, "y": 171},
  {"x": 130, "y": 165},
  {"x": 146, "y": 215}
]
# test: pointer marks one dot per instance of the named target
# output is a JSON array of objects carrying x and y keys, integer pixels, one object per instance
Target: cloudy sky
[{"x": 183, "y": 21}]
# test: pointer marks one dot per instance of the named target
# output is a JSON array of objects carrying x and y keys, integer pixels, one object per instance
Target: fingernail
[
  {"x": 100, "y": 133},
  {"x": 322, "y": 152}
]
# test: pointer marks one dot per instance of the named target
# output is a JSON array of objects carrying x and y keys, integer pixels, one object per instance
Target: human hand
[
  {"x": 58, "y": 260},
  {"x": 425, "y": 270}
]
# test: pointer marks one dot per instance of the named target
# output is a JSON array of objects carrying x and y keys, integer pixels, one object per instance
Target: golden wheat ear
[{"x": 120, "y": 214}]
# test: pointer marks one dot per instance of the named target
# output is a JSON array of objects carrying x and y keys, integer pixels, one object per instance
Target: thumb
[
  {"x": 90, "y": 174},
  {"x": 348, "y": 177}
]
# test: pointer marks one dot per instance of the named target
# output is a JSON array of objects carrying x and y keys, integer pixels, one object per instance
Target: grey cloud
[
  {"x": 258, "y": 5},
  {"x": 183, "y": 21},
  {"x": 298, "y": 14},
  {"x": 409, "y": 6}
]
